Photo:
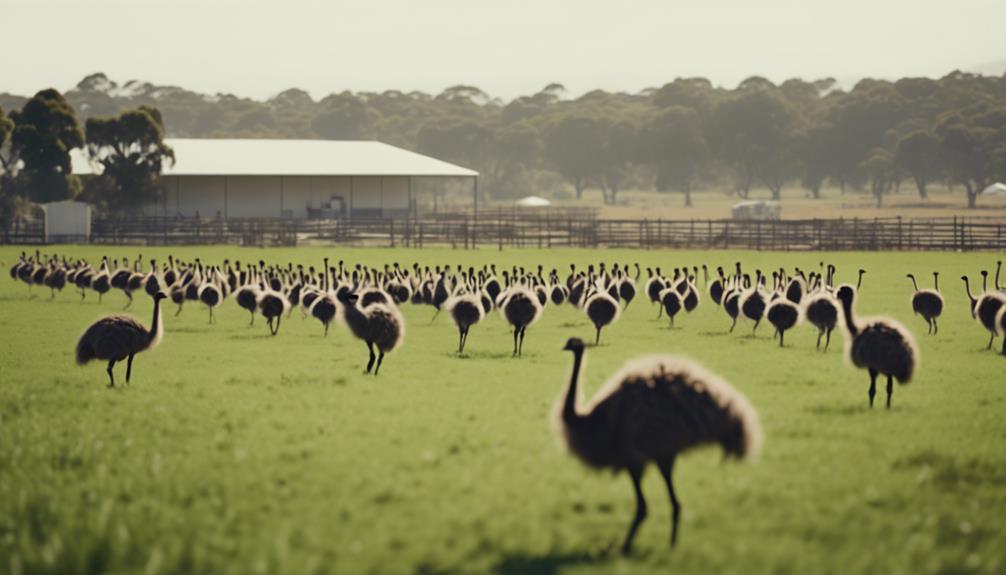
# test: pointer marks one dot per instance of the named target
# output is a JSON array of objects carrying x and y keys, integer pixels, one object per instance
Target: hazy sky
[{"x": 506, "y": 47}]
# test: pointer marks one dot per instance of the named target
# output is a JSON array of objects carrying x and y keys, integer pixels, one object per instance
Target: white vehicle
[{"x": 756, "y": 210}]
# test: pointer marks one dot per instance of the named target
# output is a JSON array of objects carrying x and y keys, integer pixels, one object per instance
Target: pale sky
[{"x": 506, "y": 47}]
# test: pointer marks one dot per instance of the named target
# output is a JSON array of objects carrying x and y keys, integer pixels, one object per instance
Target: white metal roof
[{"x": 225, "y": 157}]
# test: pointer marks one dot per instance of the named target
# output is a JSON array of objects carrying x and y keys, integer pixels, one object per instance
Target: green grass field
[{"x": 236, "y": 452}]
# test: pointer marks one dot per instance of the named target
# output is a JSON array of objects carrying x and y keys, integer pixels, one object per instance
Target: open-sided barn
[{"x": 295, "y": 179}]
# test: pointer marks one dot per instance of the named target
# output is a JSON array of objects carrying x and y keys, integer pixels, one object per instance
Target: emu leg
[
  {"x": 179, "y": 309},
  {"x": 733, "y": 325},
  {"x": 782, "y": 337},
  {"x": 252, "y": 319},
  {"x": 370, "y": 364},
  {"x": 464, "y": 341},
  {"x": 820, "y": 334},
  {"x": 516, "y": 332},
  {"x": 929, "y": 322},
  {"x": 636, "y": 473},
  {"x": 461, "y": 340},
  {"x": 380, "y": 358},
  {"x": 936, "y": 327},
  {"x": 991, "y": 338},
  {"x": 827, "y": 342},
  {"x": 1004, "y": 346},
  {"x": 520, "y": 350},
  {"x": 129, "y": 367},
  {"x": 211, "y": 316},
  {"x": 111, "y": 377},
  {"x": 666, "y": 467},
  {"x": 873, "y": 385},
  {"x": 757, "y": 321},
  {"x": 326, "y": 330},
  {"x": 130, "y": 302},
  {"x": 597, "y": 339},
  {"x": 890, "y": 390},
  {"x": 82, "y": 295}
]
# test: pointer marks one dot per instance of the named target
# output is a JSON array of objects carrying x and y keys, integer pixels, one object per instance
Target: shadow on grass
[{"x": 548, "y": 564}]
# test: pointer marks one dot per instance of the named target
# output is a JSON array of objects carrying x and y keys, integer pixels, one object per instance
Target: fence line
[{"x": 499, "y": 231}]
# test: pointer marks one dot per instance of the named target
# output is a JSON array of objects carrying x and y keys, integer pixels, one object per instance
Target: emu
[
  {"x": 119, "y": 337},
  {"x": 984, "y": 308},
  {"x": 928, "y": 302},
  {"x": 822, "y": 312},
  {"x": 602, "y": 310},
  {"x": 466, "y": 310},
  {"x": 378, "y": 325},
  {"x": 882, "y": 346},
  {"x": 670, "y": 302},
  {"x": 520, "y": 308},
  {"x": 651, "y": 410},
  {"x": 783, "y": 314}
]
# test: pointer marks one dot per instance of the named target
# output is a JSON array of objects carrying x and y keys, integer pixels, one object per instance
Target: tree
[
  {"x": 755, "y": 133},
  {"x": 675, "y": 145},
  {"x": 881, "y": 172},
  {"x": 131, "y": 151},
  {"x": 11, "y": 198},
  {"x": 971, "y": 143},
  {"x": 342, "y": 117},
  {"x": 45, "y": 130},
  {"x": 574, "y": 146},
  {"x": 918, "y": 154}
]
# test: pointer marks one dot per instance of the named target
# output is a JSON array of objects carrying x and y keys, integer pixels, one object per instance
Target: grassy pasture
[{"x": 236, "y": 452}]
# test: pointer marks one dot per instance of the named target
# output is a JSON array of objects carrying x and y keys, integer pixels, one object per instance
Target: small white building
[
  {"x": 296, "y": 179},
  {"x": 67, "y": 222}
]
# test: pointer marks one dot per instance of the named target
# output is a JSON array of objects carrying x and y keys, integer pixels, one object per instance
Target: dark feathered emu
[
  {"x": 602, "y": 310},
  {"x": 822, "y": 312},
  {"x": 323, "y": 308},
  {"x": 466, "y": 310},
  {"x": 928, "y": 302},
  {"x": 670, "y": 302},
  {"x": 520, "y": 308},
  {"x": 878, "y": 345},
  {"x": 651, "y": 410},
  {"x": 783, "y": 314},
  {"x": 272, "y": 305},
  {"x": 119, "y": 337},
  {"x": 984, "y": 309},
  {"x": 377, "y": 325}
]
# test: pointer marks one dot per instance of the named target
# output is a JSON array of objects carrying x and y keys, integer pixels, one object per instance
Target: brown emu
[
  {"x": 880, "y": 345},
  {"x": 984, "y": 308},
  {"x": 466, "y": 310},
  {"x": 928, "y": 302},
  {"x": 822, "y": 312},
  {"x": 377, "y": 325},
  {"x": 651, "y": 410},
  {"x": 119, "y": 337}
]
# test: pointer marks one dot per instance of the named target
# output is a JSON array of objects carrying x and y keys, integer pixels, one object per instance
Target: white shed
[
  {"x": 296, "y": 179},
  {"x": 67, "y": 222}
]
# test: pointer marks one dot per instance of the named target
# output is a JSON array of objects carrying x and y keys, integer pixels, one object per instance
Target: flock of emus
[{"x": 650, "y": 411}]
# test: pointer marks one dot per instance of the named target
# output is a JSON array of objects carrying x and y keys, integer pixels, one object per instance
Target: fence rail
[{"x": 507, "y": 231}]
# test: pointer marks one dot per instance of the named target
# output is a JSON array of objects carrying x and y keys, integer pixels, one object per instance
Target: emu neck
[
  {"x": 155, "y": 323},
  {"x": 569, "y": 414},
  {"x": 850, "y": 323},
  {"x": 914, "y": 283}
]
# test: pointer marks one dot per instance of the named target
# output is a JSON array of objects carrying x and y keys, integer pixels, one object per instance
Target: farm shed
[
  {"x": 296, "y": 179},
  {"x": 67, "y": 222}
]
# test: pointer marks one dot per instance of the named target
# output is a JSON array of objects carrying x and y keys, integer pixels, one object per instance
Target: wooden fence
[{"x": 500, "y": 231}]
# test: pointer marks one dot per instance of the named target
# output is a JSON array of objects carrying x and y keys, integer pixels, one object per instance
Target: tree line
[{"x": 684, "y": 136}]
